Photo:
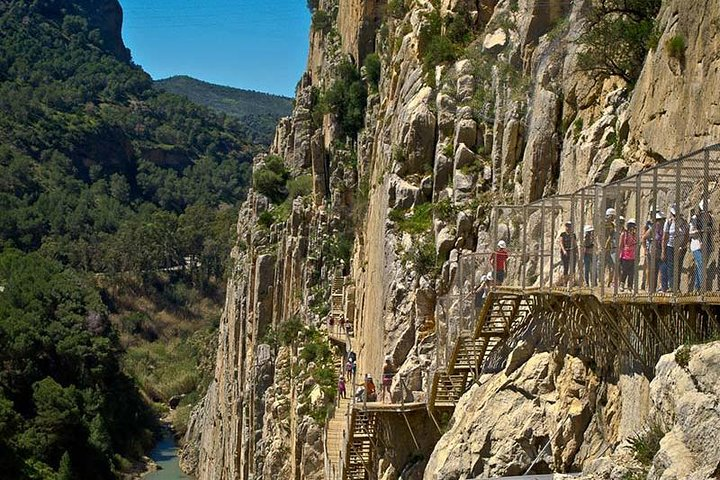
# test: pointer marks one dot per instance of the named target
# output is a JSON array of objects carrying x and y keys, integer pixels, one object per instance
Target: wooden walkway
[
  {"x": 607, "y": 296},
  {"x": 335, "y": 436}
]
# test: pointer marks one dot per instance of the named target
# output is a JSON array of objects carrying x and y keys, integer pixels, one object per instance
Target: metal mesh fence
[{"x": 652, "y": 233}]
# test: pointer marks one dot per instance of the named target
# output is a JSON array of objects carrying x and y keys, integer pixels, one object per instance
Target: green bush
[
  {"x": 423, "y": 257},
  {"x": 445, "y": 210},
  {"x": 300, "y": 186},
  {"x": 675, "y": 47},
  {"x": 321, "y": 21},
  {"x": 346, "y": 99},
  {"x": 420, "y": 221},
  {"x": 289, "y": 331},
  {"x": 577, "y": 128},
  {"x": 434, "y": 47},
  {"x": 361, "y": 200},
  {"x": 372, "y": 70},
  {"x": 682, "y": 356},
  {"x": 396, "y": 9},
  {"x": 270, "y": 179},
  {"x": 458, "y": 28},
  {"x": 645, "y": 444},
  {"x": 266, "y": 219}
]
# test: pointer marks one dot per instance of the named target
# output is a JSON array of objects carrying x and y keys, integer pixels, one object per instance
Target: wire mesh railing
[{"x": 652, "y": 235}]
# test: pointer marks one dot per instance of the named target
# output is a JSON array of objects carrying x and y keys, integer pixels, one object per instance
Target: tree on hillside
[{"x": 618, "y": 36}]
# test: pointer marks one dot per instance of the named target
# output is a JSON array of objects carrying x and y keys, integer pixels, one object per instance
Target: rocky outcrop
[
  {"x": 686, "y": 401},
  {"x": 683, "y": 413}
]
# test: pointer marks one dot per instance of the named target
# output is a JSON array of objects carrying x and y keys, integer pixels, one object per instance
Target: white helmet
[
  {"x": 588, "y": 229},
  {"x": 502, "y": 244},
  {"x": 701, "y": 205},
  {"x": 610, "y": 211},
  {"x": 631, "y": 221}
]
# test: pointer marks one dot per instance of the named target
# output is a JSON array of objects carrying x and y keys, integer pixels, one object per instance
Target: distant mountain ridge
[{"x": 259, "y": 111}]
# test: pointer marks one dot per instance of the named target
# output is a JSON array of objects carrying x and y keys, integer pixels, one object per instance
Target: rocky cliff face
[{"x": 508, "y": 116}]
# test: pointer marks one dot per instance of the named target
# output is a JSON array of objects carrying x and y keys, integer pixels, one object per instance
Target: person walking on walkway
[
  {"x": 388, "y": 373},
  {"x": 498, "y": 260},
  {"x": 568, "y": 253},
  {"x": 705, "y": 225},
  {"x": 628, "y": 245},
  {"x": 610, "y": 245},
  {"x": 653, "y": 237},
  {"x": 668, "y": 250},
  {"x": 646, "y": 242},
  {"x": 696, "y": 251},
  {"x": 675, "y": 239},
  {"x": 342, "y": 392},
  {"x": 589, "y": 265}
]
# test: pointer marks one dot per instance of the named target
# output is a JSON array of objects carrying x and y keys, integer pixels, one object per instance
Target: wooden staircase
[
  {"x": 497, "y": 320},
  {"x": 446, "y": 389},
  {"x": 360, "y": 445},
  {"x": 337, "y": 297}
]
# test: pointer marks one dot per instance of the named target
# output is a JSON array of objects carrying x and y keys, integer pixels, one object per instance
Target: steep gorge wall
[{"x": 510, "y": 120}]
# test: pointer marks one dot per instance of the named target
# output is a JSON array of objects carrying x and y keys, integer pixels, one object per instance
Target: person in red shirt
[{"x": 498, "y": 260}]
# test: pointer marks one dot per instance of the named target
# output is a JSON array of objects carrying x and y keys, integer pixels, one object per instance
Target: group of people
[
  {"x": 368, "y": 391},
  {"x": 664, "y": 242}
]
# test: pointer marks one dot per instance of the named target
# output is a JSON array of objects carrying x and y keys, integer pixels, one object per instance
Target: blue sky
[{"x": 253, "y": 44}]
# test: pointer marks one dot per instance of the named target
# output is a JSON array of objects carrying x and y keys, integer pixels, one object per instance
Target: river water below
[{"x": 165, "y": 454}]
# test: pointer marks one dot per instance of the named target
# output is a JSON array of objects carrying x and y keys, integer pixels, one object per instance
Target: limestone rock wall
[{"x": 511, "y": 119}]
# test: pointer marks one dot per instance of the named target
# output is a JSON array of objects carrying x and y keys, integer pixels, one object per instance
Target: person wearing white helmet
[
  {"x": 652, "y": 238},
  {"x": 498, "y": 261},
  {"x": 482, "y": 291},
  {"x": 611, "y": 244},
  {"x": 696, "y": 250},
  {"x": 705, "y": 225},
  {"x": 675, "y": 242},
  {"x": 628, "y": 244},
  {"x": 589, "y": 265},
  {"x": 567, "y": 242}
]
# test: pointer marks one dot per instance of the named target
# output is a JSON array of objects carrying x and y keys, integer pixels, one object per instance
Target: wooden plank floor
[
  {"x": 336, "y": 426},
  {"x": 624, "y": 298}
]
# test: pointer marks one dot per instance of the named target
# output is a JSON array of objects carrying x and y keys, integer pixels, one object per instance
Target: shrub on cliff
[
  {"x": 271, "y": 178},
  {"x": 321, "y": 21},
  {"x": 619, "y": 34},
  {"x": 346, "y": 99},
  {"x": 372, "y": 70},
  {"x": 396, "y": 8},
  {"x": 437, "y": 48}
]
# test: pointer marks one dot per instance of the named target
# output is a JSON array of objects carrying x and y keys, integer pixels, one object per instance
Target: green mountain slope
[
  {"x": 260, "y": 112},
  {"x": 104, "y": 182}
]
